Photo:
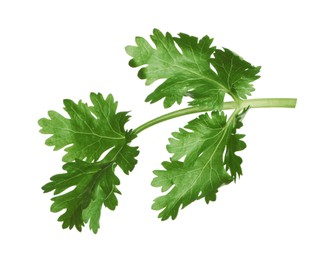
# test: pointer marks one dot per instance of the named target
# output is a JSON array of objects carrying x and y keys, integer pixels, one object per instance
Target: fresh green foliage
[
  {"x": 188, "y": 72},
  {"x": 204, "y": 154},
  {"x": 182, "y": 71},
  {"x": 96, "y": 184},
  {"x": 235, "y": 73},
  {"x": 90, "y": 131},
  {"x": 209, "y": 150}
]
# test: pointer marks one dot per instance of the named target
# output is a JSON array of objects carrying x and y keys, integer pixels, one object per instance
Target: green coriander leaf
[
  {"x": 95, "y": 184},
  {"x": 184, "y": 63},
  {"x": 208, "y": 146},
  {"x": 236, "y": 73},
  {"x": 89, "y": 131}
]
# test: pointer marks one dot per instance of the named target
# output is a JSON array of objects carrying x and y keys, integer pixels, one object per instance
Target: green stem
[{"x": 252, "y": 103}]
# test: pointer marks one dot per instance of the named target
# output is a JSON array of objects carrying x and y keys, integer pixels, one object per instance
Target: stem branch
[{"x": 252, "y": 103}]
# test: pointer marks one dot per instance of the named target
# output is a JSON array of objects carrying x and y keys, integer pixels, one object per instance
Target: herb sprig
[{"x": 204, "y": 153}]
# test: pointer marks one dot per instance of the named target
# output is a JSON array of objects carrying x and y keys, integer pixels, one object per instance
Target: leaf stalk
[{"x": 252, "y": 103}]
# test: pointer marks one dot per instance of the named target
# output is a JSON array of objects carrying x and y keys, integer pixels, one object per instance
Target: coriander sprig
[{"x": 204, "y": 153}]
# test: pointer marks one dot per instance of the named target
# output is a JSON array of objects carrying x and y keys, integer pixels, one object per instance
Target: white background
[{"x": 282, "y": 208}]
